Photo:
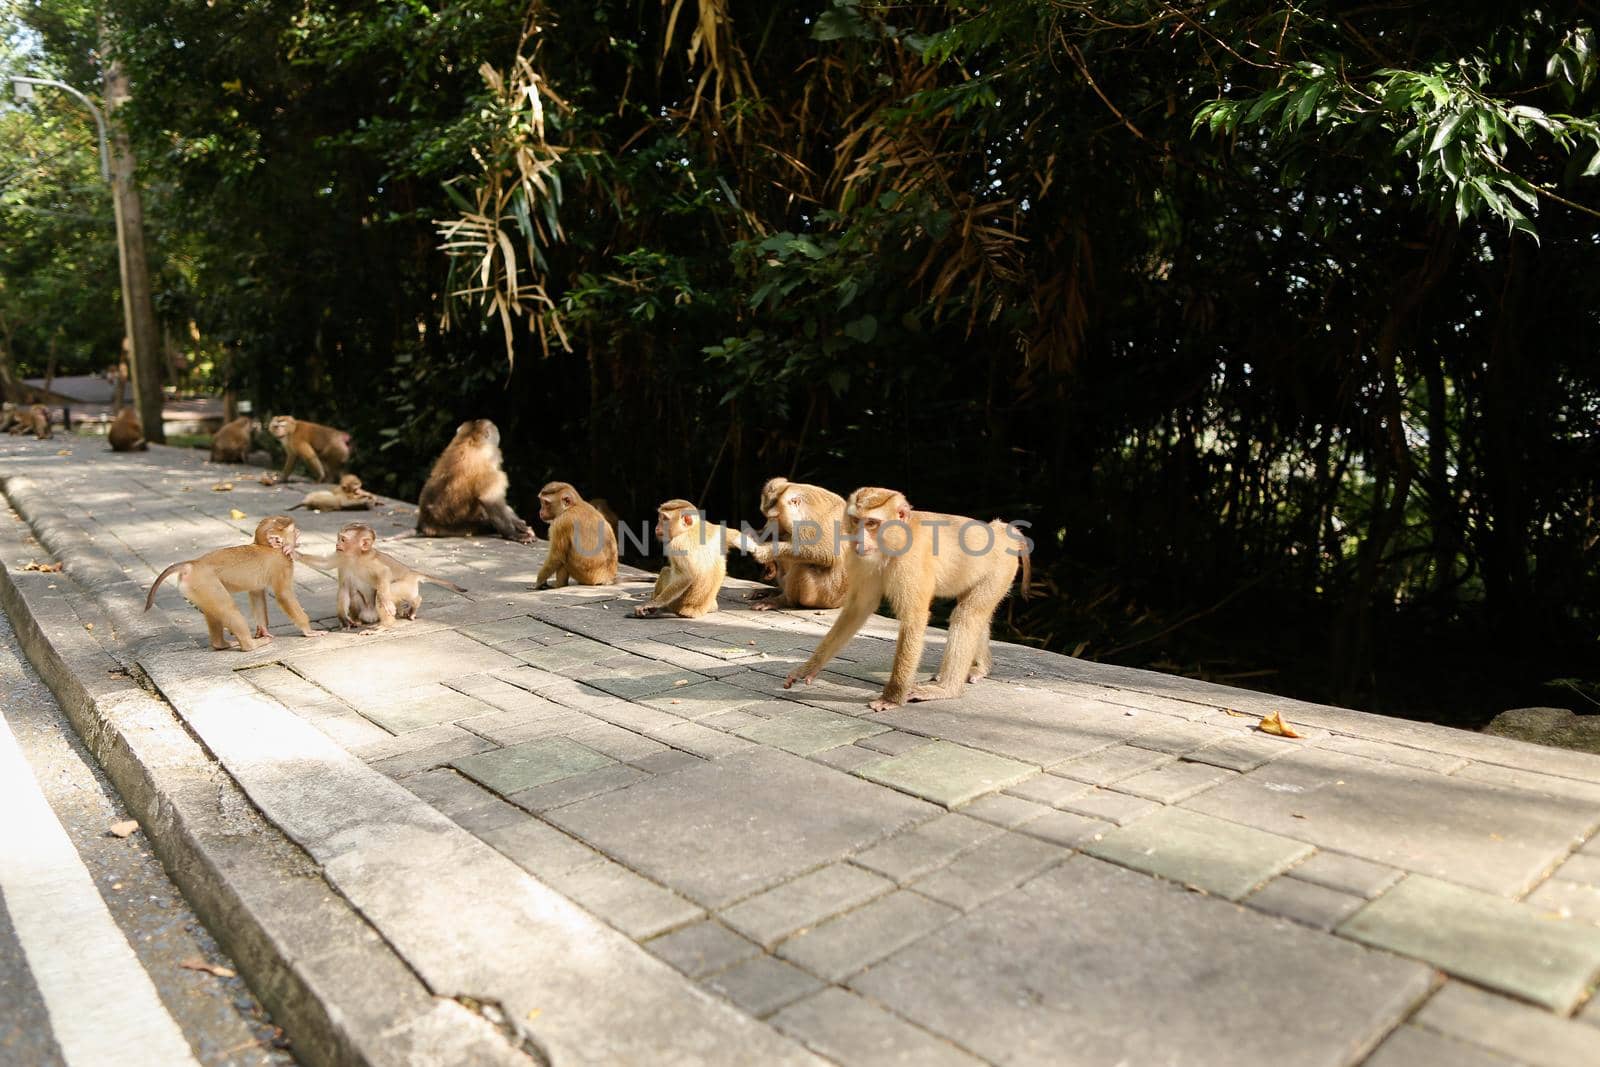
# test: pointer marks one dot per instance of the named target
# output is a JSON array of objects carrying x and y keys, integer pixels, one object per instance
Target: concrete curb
[{"x": 327, "y": 976}]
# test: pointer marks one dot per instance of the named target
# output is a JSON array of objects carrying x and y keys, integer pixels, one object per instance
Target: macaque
[
  {"x": 126, "y": 433},
  {"x": 324, "y": 449},
  {"x": 349, "y": 496},
  {"x": 910, "y": 557},
  {"x": 583, "y": 546},
  {"x": 805, "y": 560},
  {"x": 374, "y": 587},
  {"x": 8, "y": 415},
  {"x": 466, "y": 491},
  {"x": 697, "y": 562},
  {"x": 34, "y": 420},
  {"x": 210, "y": 582},
  {"x": 231, "y": 443}
]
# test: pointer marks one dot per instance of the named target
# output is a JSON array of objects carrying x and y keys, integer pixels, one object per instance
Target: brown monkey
[
  {"x": 210, "y": 582},
  {"x": 36, "y": 420},
  {"x": 805, "y": 557},
  {"x": 373, "y": 585},
  {"x": 583, "y": 546},
  {"x": 231, "y": 443},
  {"x": 8, "y": 415},
  {"x": 912, "y": 557},
  {"x": 324, "y": 449},
  {"x": 349, "y": 496},
  {"x": 466, "y": 490},
  {"x": 697, "y": 561},
  {"x": 126, "y": 433}
]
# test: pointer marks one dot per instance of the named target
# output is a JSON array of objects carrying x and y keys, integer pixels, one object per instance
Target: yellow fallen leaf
[
  {"x": 235, "y": 513},
  {"x": 1236, "y": 714},
  {"x": 268, "y": 479},
  {"x": 48, "y": 568},
  {"x": 222, "y": 487},
  {"x": 88, "y": 626},
  {"x": 1274, "y": 724},
  {"x": 210, "y": 968},
  {"x": 123, "y": 828},
  {"x": 65, "y": 452},
  {"x": 680, "y": 682}
]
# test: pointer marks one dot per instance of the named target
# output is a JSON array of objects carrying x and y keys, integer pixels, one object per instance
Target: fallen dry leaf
[
  {"x": 88, "y": 626},
  {"x": 210, "y": 968},
  {"x": 1236, "y": 714},
  {"x": 680, "y": 682},
  {"x": 268, "y": 479},
  {"x": 1274, "y": 724},
  {"x": 48, "y": 568},
  {"x": 123, "y": 828},
  {"x": 222, "y": 487},
  {"x": 235, "y": 513},
  {"x": 64, "y": 452}
]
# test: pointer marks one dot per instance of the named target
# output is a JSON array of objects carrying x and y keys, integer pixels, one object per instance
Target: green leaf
[
  {"x": 863, "y": 329},
  {"x": 1446, "y": 131}
]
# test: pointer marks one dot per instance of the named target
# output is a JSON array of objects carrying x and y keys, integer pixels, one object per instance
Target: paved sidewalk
[{"x": 621, "y": 841}]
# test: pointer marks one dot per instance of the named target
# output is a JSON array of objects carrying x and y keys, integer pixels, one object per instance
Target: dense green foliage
[{"x": 1278, "y": 322}]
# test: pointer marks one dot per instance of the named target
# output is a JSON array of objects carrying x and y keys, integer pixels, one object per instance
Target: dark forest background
[{"x": 1279, "y": 322}]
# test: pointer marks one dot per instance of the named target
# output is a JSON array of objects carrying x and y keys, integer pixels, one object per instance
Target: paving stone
[
  {"x": 1120, "y": 968},
  {"x": 422, "y": 750},
  {"x": 451, "y": 793},
  {"x": 710, "y": 646},
  {"x": 1305, "y": 902},
  {"x": 1442, "y": 762},
  {"x": 668, "y": 761},
  {"x": 506, "y": 631},
  {"x": 702, "y": 948},
  {"x": 1119, "y": 808},
  {"x": 990, "y": 869},
  {"x": 635, "y": 717},
  {"x": 506, "y": 728},
  {"x": 701, "y": 740},
  {"x": 1178, "y": 737},
  {"x": 566, "y": 655},
  {"x": 1586, "y": 793},
  {"x": 615, "y": 742},
  {"x": 636, "y": 906},
  {"x": 854, "y": 1033},
  {"x": 1346, "y": 874},
  {"x": 511, "y": 770},
  {"x": 1033, "y": 726},
  {"x": 539, "y": 848},
  {"x": 570, "y": 790},
  {"x": 1048, "y": 789},
  {"x": 1413, "y": 1046},
  {"x": 1243, "y": 753},
  {"x": 947, "y": 773},
  {"x": 1515, "y": 1030},
  {"x": 804, "y": 730},
  {"x": 933, "y": 844},
  {"x": 791, "y": 816},
  {"x": 1192, "y": 849},
  {"x": 1483, "y": 938},
  {"x": 1581, "y": 868},
  {"x": 846, "y": 758},
  {"x": 632, "y": 685},
  {"x": 1067, "y": 829},
  {"x": 772, "y": 916},
  {"x": 1174, "y": 782},
  {"x": 1112, "y": 764},
  {"x": 286, "y": 686},
  {"x": 351, "y": 730},
  {"x": 371, "y": 669},
  {"x": 763, "y": 985},
  {"x": 894, "y": 743},
  {"x": 1003, "y": 810},
  {"x": 701, "y": 699},
  {"x": 1570, "y": 900},
  {"x": 731, "y": 722},
  {"x": 842, "y": 946}
]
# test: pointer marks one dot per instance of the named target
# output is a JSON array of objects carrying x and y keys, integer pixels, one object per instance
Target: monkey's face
[
  {"x": 880, "y": 531},
  {"x": 281, "y": 426},
  {"x": 550, "y": 506},
  {"x": 355, "y": 540}
]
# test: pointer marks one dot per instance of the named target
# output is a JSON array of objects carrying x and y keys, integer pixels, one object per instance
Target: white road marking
[{"x": 103, "y": 1007}]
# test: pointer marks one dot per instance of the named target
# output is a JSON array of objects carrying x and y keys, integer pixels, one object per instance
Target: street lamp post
[{"x": 138, "y": 310}]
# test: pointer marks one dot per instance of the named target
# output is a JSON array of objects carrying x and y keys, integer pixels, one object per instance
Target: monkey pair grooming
[
  {"x": 911, "y": 557},
  {"x": 583, "y": 544},
  {"x": 697, "y": 561},
  {"x": 210, "y": 581},
  {"x": 34, "y": 419},
  {"x": 349, "y": 496},
  {"x": 374, "y": 587},
  {"x": 323, "y": 449},
  {"x": 127, "y": 433},
  {"x": 805, "y": 559},
  {"x": 466, "y": 490}
]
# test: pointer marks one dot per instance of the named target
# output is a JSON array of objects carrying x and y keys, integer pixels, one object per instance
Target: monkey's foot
[
  {"x": 929, "y": 692},
  {"x": 315, "y": 633},
  {"x": 804, "y": 678},
  {"x": 644, "y": 611},
  {"x": 883, "y": 705},
  {"x": 262, "y": 634}
]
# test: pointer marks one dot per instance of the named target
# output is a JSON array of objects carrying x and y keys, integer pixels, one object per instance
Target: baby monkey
[
  {"x": 805, "y": 559},
  {"x": 583, "y": 545},
  {"x": 697, "y": 561},
  {"x": 210, "y": 582},
  {"x": 349, "y": 496},
  {"x": 374, "y": 587}
]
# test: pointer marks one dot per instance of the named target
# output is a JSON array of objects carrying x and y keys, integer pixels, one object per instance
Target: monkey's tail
[
  {"x": 1025, "y": 550},
  {"x": 150, "y": 598},
  {"x": 440, "y": 581},
  {"x": 291, "y": 507}
]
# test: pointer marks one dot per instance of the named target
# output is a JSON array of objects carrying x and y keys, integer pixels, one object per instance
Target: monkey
[
  {"x": 373, "y": 585},
  {"x": 697, "y": 562},
  {"x": 34, "y": 420},
  {"x": 583, "y": 546},
  {"x": 127, "y": 433},
  {"x": 466, "y": 490},
  {"x": 349, "y": 496},
  {"x": 231, "y": 443},
  {"x": 607, "y": 512},
  {"x": 910, "y": 557},
  {"x": 805, "y": 559},
  {"x": 8, "y": 415},
  {"x": 324, "y": 449},
  {"x": 210, "y": 581}
]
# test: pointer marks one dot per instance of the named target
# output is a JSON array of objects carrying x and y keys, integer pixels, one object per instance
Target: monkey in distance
[
  {"x": 349, "y": 496},
  {"x": 374, "y": 587},
  {"x": 583, "y": 545},
  {"x": 34, "y": 419},
  {"x": 805, "y": 559},
  {"x": 911, "y": 557},
  {"x": 8, "y": 415},
  {"x": 323, "y": 449},
  {"x": 697, "y": 562},
  {"x": 210, "y": 581},
  {"x": 127, "y": 433},
  {"x": 465, "y": 492},
  {"x": 231, "y": 443}
]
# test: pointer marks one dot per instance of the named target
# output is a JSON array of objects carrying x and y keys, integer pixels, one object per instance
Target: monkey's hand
[
  {"x": 800, "y": 676},
  {"x": 763, "y": 552},
  {"x": 645, "y": 611},
  {"x": 262, "y": 635},
  {"x": 525, "y": 534},
  {"x": 883, "y": 705}
]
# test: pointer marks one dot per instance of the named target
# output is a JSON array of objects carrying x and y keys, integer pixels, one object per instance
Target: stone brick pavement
[{"x": 1072, "y": 863}]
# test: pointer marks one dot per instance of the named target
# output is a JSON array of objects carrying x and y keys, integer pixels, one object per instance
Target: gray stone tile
[
  {"x": 805, "y": 730},
  {"x": 1244, "y": 753},
  {"x": 1442, "y": 762},
  {"x": 1581, "y": 868},
  {"x": 1174, "y": 782},
  {"x": 1003, "y": 810},
  {"x": 1178, "y": 737},
  {"x": 846, "y": 758},
  {"x": 763, "y": 985},
  {"x": 701, "y": 740},
  {"x": 731, "y": 722},
  {"x": 1346, "y": 873},
  {"x": 451, "y": 793},
  {"x": 288, "y": 687},
  {"x": 511, "y": 770},
  {"x": 507, "y": 728},
  {"x": 854, "y": 1033},
  {"x": 1570, "y": 900},
  {"x": 1488, "y": 836},
  {"x": 401, "y": 756},
  {"x": 1192, "y": 849},
  {"x": 894, "y": 743},
  {"x": 1115, "y": 967},
  {"x": 701, "y": 699},
  {"x": 1305, "y": 902},
  {"x": 372, "y": 669},
  {"x": 669, "y": 761},
  {"x": 1112, "y": 764},
  {"x": 635, "y": 717},
  {"x": 1550, "y": 785},
  {"x": 566, "y": 655},
  {"x": 636, "y": 906},
  {"x": 1048, "y": 789},
  {"x": 631, "y": 684},
  {"x": 933, "y": 844},
  {"x": 539, "y": 848},
  {"x": 947, "y": 773},
  {"x": 505, "y": 631},
  {"x": 1413, "y": 1046},
  {"x": 702, "y": 948},
  {"x": 772, "y": 916},
  {"x": 1514, "y": 1030},
  {"x": 990, "y": 869},
  {"x": 1034, "y": 727},
  {"x": 351, "y": 730},
  {"x": 1067, "y": 829},
  {"x": 1482, "y": 938},
  {"x": 1119, "y": 808},
  {"x": 614, "y": 741},
  {"x": 582, "y": 786},
  {"x": 792, "y": 816},
  {"x": 840, "y": 947}
]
